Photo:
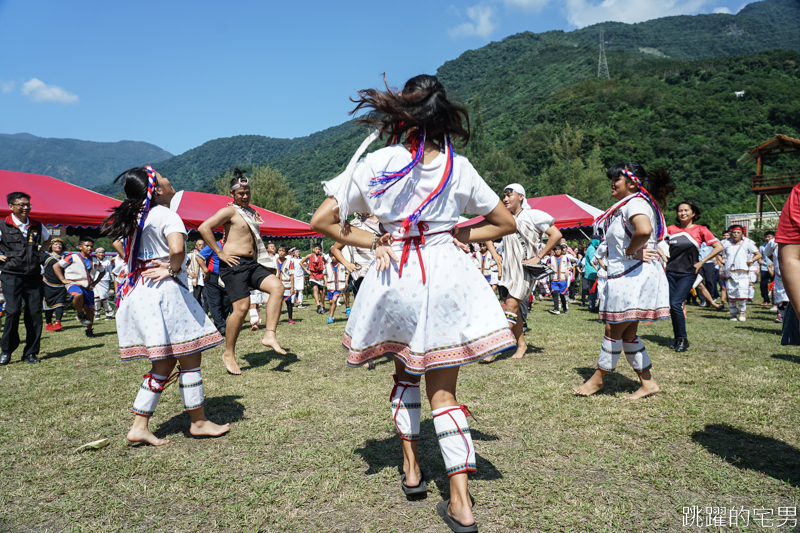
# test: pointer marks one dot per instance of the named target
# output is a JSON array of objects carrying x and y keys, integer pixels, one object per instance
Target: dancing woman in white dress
[
  {"x": 158, "y": 318},
  {"x": 636, "y": 286},
  {"x": 431, "y": 309}
]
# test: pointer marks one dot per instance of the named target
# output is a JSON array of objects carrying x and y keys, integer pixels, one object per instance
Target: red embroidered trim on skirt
[{"x": 171, "y": 351}]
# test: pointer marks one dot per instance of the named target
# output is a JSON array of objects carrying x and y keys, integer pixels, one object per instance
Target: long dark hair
[
  {"x": 122, "y": 222},
  {"x": 658, "y": 182},
  {"x": 693, "y": 207},
  {"x": 422, "y": 103}
]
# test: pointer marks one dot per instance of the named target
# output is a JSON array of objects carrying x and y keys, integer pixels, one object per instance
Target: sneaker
[
  {"x": 83, "y": 320},
  {"x": 734, "y": 319},
  {"x": 779, "y": 319},
  {"x": 764, "y": 303},
  {"x": 331, "y": 320},
  {"x": 291, "y": 321},
  {"x": 703, "y": 304},
  {"x": 347, "y": 312},
  {"x": 320, "y": 310},
  {"x": 554, "y": 311},
  {"x": 773, "y": 308},
  {"x": 742, "y": 318},
  {"x": 109, "y": 317},
  {"x": 57, "y": 326},
  {"x": 89, "y": 333},
  {"x": 301, "y": 306},
  {"x": 48, "y": 327}
]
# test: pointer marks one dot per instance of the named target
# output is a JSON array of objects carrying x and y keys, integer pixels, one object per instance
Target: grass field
[{"x": 312, "y": 446}]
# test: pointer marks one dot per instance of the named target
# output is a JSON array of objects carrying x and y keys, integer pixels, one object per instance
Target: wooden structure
[{"x": 763, "y": 184}]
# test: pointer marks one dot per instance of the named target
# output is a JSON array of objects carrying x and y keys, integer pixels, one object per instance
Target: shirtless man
[{"x": 240, "y": 269}]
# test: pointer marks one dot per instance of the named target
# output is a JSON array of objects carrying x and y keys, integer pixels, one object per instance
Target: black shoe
[
  {"x": 5, "y": 358},
  {"x": 674, "y": 344},
  {"x": 320, "y": 310},
  {"x": 90, "y": 334},
  {"x": 31, "y": 359},
  {"x": 682, "y": 344},
  {"x": 83, "y": 320}
]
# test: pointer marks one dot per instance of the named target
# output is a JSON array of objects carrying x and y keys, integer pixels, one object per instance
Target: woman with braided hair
[
  {"x": 431, "y": 308},
  {"x": 158, "y": 318},
  {"x": 636, "y": 287}
]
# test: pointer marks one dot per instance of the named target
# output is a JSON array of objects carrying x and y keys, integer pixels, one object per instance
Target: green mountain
[
  {"x": 539, "y": 110},
  {"x": 83, "y": 163}
]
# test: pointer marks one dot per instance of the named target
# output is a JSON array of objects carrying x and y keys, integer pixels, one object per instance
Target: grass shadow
[
  {"x": 69, "y": 351},
  {"x": 658, "y": 339},
  {"x": 219, "y": 409},
  {"x": 256, "y": 360},
  {"x": 774, "y": 331},
  {"x": 787, "y": 357},
  {"x": 382, "y": 453},
  {"x": 749, "y": 451},
  {"x": 613, "y": 383}
]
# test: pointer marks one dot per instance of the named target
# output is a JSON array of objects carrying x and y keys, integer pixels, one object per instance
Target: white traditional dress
[
  {"x": 737, "y": 271},
  {"x": 161, "y": 319},
  {"x": 445, "y": 315},
  {"x": 779, "y": 291},
  {"x": 633, "y": 290}
]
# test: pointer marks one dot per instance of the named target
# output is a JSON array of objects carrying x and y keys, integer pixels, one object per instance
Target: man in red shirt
[
  {"x": 788, "y": 239},
  {"x": 316, "y": 268}
]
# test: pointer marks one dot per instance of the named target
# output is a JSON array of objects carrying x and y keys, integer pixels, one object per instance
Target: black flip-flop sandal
[
  {"x": 419, "y": 490},
  {"x": 457, "y": 527}
]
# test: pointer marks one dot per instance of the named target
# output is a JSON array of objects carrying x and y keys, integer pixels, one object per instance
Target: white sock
[
  {"x": 191, "y": 385},
  {"x": 455, "y": 440},
  {"x": 609, "y": 354},
  {"x": 636, "y": 354},
  {"x": 148, "y": 395},
  {"x": 406, "y": 405}
]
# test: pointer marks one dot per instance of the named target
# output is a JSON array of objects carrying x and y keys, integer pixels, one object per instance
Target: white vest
[
  {"x": 76, "y": 272},
  {"x": 335, "y": 278}
]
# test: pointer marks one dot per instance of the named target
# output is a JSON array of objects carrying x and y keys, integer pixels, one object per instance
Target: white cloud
[
  {"x": 482, "y": 23},
  {"x": 533, "y": 6},
  {"x": 7, "y": 86},
  {"x": 39, "y": 91},
  {"x": 581, "y": 13},
  {"x": 724, "y": 10}
]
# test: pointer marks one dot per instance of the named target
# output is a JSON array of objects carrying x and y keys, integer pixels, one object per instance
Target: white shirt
[
  {"x": 105, "y": 266},
  {"x": 466, "y": 192},
  {"x": 738, "y": 255},
  {"x": 617, "y": 239},
  {"x": 159, "y": 223},
  {"x": 23, "y": 227},
  {"x": 299, "y": 273}
]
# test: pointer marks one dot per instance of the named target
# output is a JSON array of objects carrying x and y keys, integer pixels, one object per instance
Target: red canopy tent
[
  {"x": 569, "y": 212},
  {"x": 196, "y": 207},
  {"x": 55, "y": 202}
]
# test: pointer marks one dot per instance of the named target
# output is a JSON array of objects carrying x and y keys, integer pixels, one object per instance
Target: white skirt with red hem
[
  {"x": 451, "y": 320},
  {"x": 639, "y": 293}
]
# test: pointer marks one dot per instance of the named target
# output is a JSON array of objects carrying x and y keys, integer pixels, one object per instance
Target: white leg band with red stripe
[
  {"x": 609, "y": 354},
  {"x": 148, "y": 395},
  {"x": 636, "y": 354},
  {"x": 455, "y": 440},
  {"x": 191, "y": 385},
  {"x": 406, "y": 405}
]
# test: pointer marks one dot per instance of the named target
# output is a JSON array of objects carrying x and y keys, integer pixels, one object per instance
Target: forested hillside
[
  {"x": 83, "y": 163},
  {"x": 542, "y": 117}
]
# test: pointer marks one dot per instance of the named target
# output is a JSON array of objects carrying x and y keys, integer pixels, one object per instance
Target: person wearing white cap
[
  {"x": 522, "y": 247},
  {"x": 103, "y": 285}
]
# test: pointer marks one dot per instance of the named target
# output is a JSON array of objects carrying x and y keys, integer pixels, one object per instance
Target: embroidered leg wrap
[
  {"x": 191, "y": 384},
  {"x": 455, "y": 440},
  {"x": 609, "y": 354},
  {"x": 253, "y": 316},
  {"x": 406, "y": 404},
  {"x": 636, "y": 354},
  {"x": 733, "y": 308},
  {"x": 742, "y": 306},
  {"x": 512, "y": 318},
  {"x": 149, "y": 394}
]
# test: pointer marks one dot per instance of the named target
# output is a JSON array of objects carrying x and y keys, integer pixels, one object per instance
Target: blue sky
[{"x": 179, "y": 73}]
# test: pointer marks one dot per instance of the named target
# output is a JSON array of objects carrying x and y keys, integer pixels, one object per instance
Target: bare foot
[
  {"x": 369, "y": 365},
  {"x": 206, "y": 428},
  {"x": 462, "y": 515},
  {"x": 487, "y": 360},
  {"x": 254, "y": 327},
  {"x": 647, "y": 389},
  {"x": 592, "y": 385},
  {"x": 271, "y": 341},
  {"x": 413, "y": 477},
  {"x": 231, "y": 365},
  {"x": 144, "y": 435},
  {"x": 520, "y": 353}
]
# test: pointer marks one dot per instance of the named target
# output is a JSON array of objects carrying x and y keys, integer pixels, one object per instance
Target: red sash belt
[{"x": 418, "y": 240}]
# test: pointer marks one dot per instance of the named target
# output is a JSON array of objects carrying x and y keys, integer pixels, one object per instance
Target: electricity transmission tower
[{"x": 602, "y": 64}]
